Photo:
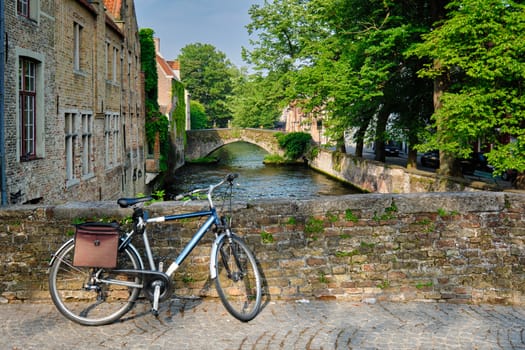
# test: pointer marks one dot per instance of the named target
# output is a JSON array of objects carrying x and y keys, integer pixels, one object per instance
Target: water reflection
[{"x": 257, "y": 180}]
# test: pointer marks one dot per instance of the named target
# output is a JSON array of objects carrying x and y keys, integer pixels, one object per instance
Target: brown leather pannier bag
[{"x": 96, "y": 245}]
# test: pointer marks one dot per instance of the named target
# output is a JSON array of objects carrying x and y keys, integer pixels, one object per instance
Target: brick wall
[{"x": 460, "y": 247}]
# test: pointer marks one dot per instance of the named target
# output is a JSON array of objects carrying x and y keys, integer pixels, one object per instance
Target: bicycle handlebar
[{"x": 228, "y": 178}]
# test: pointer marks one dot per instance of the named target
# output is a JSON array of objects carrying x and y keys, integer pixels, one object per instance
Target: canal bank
[{"x": 373, "y": 176}]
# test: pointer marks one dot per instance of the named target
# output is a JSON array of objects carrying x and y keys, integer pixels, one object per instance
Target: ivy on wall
[
  {"x": 179, "y": 114},
  {"x": 156, "y": 123}
]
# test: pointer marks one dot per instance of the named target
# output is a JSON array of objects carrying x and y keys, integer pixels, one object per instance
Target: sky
[{"x": 178, "y": 23}]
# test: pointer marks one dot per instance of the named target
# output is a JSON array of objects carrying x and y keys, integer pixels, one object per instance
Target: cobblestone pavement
[{"x": 204, "y": 324}]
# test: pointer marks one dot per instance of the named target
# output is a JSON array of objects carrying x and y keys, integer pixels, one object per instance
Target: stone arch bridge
[{"x": 201, "y": 143}]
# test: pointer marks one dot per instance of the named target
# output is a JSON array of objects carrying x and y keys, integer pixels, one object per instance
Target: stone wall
[
  {"x": 89, "y": 134},
  {"x": 379, "y": 177},
  {"x": 461, "y": 247}
]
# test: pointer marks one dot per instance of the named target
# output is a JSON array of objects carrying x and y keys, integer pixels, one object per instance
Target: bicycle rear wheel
[
  {"x": 238, "y": 279},
  {"x": 81, "y": 296}
]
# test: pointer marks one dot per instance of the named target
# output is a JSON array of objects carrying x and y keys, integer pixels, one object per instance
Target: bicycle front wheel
[
  {"x": 94, "y": 296},
  {"x": 238, "y": 280}
]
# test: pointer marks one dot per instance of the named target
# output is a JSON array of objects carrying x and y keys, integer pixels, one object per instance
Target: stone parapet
[{"x": 464, "y": 247}]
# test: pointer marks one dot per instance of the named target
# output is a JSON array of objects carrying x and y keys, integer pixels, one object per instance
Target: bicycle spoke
[{"x": 238, "y": 281}]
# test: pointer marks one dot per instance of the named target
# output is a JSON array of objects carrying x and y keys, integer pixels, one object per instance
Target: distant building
[
  {"x": 168, "y": 73},
  {"x": 73, "y": 118},
  {"x": 296, "y": 120}
]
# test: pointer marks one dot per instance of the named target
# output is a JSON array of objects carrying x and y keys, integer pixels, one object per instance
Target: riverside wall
[
  {"x": 378, "y": 177},
  {"x": 452, "y": 246}
]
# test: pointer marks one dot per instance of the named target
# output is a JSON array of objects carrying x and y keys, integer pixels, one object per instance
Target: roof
[
  {"x": 113, "y": 7},
  {"x": 164, "y": 66}
]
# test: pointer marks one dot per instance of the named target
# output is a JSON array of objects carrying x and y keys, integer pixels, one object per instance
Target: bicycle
[{"x": 95, "y": 295}]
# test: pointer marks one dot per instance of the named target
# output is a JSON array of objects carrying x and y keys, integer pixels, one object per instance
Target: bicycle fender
[
  {"x": 132, "y": 247},
  {"x": 54, "y": 256},
  {"x": 213, "y": 256}
]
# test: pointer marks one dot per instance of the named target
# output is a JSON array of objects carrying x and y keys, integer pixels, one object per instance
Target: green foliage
[
  {"x": 477, "y": 53},
  {"x": 203, "y": 160},
  {"x": 149, "y": 64},
  {"x": 187, "y": 279},
  {"x": 273, "y": 159},
  {"x": 158, "y": 195},
  {"x": 384, "y": 284},
  {"x": 267, "y": 237},
  {"x": 179, "y": 114},
  {"x": 251, "y": 103},
  {"x": 313, "y": 227},
  {"x": 323, "y": 278},
  {"x": 350, "y": 216},
  {"x": 371, "y": 66},
  {"x": 208, "y": 74},
  {"x": 388, "y": 214},
  {"x": 346, "y": 56},
  {"x": 421, "y": 285},
  {"x": 156, "y": 123},
  {"x": 331, "y": 216},
  {"x": 443, "y": 213},
  {"x": 295, "y": 144},
  {"x": 342, "y": 254},
  {"x": 199, "y": 119},
  {"x": 292, "y": 221}
]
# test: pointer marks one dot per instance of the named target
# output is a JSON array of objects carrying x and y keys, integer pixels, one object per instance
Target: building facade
[
  {"x": 73, "y": 102},
  {"x": 172, "y": 95}
]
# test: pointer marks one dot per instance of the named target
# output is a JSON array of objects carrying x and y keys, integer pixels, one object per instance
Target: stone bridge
[{"x": 201, "y": 143}]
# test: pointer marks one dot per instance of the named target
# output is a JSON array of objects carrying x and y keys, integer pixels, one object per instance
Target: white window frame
[
  {"x": 70, "y": 139},
  {"x": 77, "y": 46},
  {"x": 111, "y": 139},
  {"x": 39, "y": 136},
  {"x": 115, "y": 65},
  {"x": 106, "y": 63},
  {"x": 86, "y": 123}
]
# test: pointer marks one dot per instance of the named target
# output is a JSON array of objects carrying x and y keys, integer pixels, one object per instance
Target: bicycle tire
[
  {"x": 87, "y": 303},
  {"x": 238, "y": 280}
]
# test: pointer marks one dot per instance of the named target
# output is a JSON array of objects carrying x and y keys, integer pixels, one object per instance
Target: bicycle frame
[{"x": 213, "y": 219}]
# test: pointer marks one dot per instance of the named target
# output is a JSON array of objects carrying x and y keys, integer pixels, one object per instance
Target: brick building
[
  {"x": 73, "y": 119},
  {"x": 168, "y": 73}
]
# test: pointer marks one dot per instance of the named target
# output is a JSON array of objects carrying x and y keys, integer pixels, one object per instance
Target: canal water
[{"x": 256, "y": 180}]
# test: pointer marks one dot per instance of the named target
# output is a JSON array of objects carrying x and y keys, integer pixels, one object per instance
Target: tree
[
  {"x": 199, "y": 119},
  {"x": 480, "y": 48},
  {"x": 344, "y": 58},
  {"x": 250, "y": 103},
  {"x": 207, "y": 74}
]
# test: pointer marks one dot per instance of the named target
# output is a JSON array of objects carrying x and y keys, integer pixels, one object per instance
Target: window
[
  {"x": 87, "y": 150},
  {"x": 107, "y": 61},
  {"x": 111, "y": 138},
  {"x": 115, "y": 65},
  {"x": 116, "y": 128},
  {"x": 27, "y": 108},
  {"x": 22, "y": 7},
  {"x": 71, "y": 137},
  {"x": 77, "y": 37}
]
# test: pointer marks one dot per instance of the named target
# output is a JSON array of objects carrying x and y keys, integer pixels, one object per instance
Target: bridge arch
[{"x": 201, "y": 143}]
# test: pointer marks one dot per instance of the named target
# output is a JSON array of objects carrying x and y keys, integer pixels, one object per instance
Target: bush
[{"x": 295, "y": 144}]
